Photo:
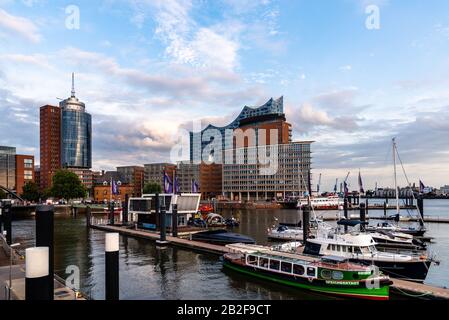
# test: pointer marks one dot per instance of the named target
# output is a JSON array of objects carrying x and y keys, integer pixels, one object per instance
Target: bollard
[
  {"x": 163, "y": 226},
  {"x": 366, "y": 207},
  {"x": 1, "y": 216},
  {"x": 7, "y": 221},
  {"x": 125, "y": 210},
  {"x": 385, "y": 209},
  {"x": 421, "y": 210},
  {"x": 37, "y": 283},
  {"x": 112, "y": 266},
  {"x": 345, "y": 211},
  {"x": 362, "y": 217},
  {"x": 111, "y": 213},
  {"x": 45, "y": 236},
  {"x": 175, "y": 220},
  {"x": 305, "y": 223},
  {"x": 88, "y": 216}
]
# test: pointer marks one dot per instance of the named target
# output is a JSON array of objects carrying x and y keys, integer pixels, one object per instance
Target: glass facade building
[
  {"x": 8, "y": 167},
  {"x": 199, "y": 140},
  {"x": 76, "y": 134}
]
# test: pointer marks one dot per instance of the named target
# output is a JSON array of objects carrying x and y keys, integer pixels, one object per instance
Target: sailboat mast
[{"x": 395, "y": 177}]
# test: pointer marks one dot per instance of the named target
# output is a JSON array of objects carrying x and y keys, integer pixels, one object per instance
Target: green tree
[
  {"x": 31, "y": 192},
  {"x": 2, "y": 194},
  {"x": 152, "y": 187},
  {"x": 67, "y": 185}
]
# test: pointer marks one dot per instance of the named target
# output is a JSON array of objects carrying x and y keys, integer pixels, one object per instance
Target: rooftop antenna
[{"x": 73, "y": 85}]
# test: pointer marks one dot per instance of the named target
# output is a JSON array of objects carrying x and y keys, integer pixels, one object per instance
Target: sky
[{"x": 148, "y": 68}]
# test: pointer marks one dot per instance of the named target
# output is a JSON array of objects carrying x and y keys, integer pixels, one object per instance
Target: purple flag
[
  {"x": 177, "y": 185},
  {"x": 168, "y": 185},
  {"x": 421, "y": 187},
  {"x": 114, "y": 187},
  {"x": 361, "y": 184},
  {"x": 195, "y": 186}
]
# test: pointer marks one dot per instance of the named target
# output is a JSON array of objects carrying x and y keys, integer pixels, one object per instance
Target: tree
[
  {"x": 3, "y": 194},
  {"x": 31, "y": 192},
  {"x": 152, "y": 187},
  {"x": 67, "y": 185}
]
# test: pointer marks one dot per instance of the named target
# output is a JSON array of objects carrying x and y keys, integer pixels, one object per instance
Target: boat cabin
[
  {"x": 143, "y": 209},
  {"x": 281, "y": 265}
]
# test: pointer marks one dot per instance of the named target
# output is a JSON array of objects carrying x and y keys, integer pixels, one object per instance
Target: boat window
[
  {"x": 263, "y": 262},
  {"x": 333, "y": 247},
  {"x": 357, "y": 250},
  {"x": 338, "y": 248},
  {"x": 252, "y": 260},
  {"x": 344, "y": 248},
  {"x": 329, "y": 247},
  {"x": 372, "y": 249},
  {"x": 274, "y": 264},
  {"x": 311, "y": 271},
  {"x": 326, "y": 274},
  {"x": 286, "y": 267},
  {"x": 337, "y": 275},
  {"x": 365, "y": 250},
  {"x": 298, "y": 269}
]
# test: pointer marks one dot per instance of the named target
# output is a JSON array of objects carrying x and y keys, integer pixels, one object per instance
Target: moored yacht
[
  {"x": 321, "y": 203},
  {"x": 361, "y": 247}
]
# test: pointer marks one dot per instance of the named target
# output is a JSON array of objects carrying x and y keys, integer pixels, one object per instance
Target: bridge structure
[{"x": 12, "y": 193}]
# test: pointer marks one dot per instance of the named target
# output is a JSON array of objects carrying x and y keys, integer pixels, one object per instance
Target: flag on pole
[
  {"x": 114, "y": 187},
  {"x": 361, "y": 190},
  {"x": 177, "y": 185},
  {"x": 421, "y": 187},
  {"x": 168, "y": 185},
  {"x": 195, "y": 186}
]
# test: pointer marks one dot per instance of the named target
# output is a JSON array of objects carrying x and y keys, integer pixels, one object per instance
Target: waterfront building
[
  {"x": 103, "y": 191},
  {"x": 8, "y": 167},
  {"x": 50, "y": 144},
  {"x": 24, "y": 171},
  {"x": 135, "y": 175},
  {"x": 37, "y": 175},
  {"x": 267, "y": 172},
  {"x": 86, "y": 177},
  {"x": 207, "y": 176},
  {"x": 445, "y": 190},
  {"x": 268, "y": 116},
  {"x": 154, "y": 172},
  {"x": 76, "y": 133}
]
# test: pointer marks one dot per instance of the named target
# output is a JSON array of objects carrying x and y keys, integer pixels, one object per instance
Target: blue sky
[{"x": 146, "y": 68}]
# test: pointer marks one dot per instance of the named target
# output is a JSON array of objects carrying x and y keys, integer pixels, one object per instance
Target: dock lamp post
[
  {"x": 112, "y": 266},
  {"x": 37, "y": 274}
]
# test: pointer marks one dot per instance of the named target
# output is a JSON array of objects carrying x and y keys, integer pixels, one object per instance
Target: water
[{"x": 149, "y": 273}]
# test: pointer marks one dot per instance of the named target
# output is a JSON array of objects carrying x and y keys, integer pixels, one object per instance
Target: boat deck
[{"x": 403, "y": 287}]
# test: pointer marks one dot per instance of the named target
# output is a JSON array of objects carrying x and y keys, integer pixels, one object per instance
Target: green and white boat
[{"x": 328, "y": 275}]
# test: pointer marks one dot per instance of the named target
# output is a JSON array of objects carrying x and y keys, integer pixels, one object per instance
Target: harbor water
[{"x": 150, "y": 273}]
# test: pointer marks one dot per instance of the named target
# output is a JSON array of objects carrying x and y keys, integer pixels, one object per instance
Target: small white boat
[
  {"x": 322, "y": 203},
  {"x": 285, "y": 233}
]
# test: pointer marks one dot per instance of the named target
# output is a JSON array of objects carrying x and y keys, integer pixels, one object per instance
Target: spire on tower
[{"x": 73, "y": 84}]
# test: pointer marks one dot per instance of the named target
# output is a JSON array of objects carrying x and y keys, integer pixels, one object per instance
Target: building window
[
  {"x": 28, "y": 163},
  {"x": 28, "y": 175}
]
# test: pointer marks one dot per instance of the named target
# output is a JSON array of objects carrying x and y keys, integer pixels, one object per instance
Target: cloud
[
  {"x": 35, "y": 59},
  {"x": 20, "y": 26},
  {"x": 309, "y": 118}
]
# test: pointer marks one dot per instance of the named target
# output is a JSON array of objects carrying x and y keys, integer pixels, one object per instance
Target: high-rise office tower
[
  {"x": 50, "y": 144},
  {"x": 76, "y": 133}
]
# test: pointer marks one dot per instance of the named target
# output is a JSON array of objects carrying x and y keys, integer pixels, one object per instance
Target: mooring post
[
  {"x": 174, "y": 227},
  {"x": 125, "y": 210},
  {"x": 88, "y": 216},
  {"x": 37, "y": 274},
  {"x": 1, "y": 216},
  {"x": 112, "y": 266},
  {"x": 362, "y": 217},
  {"x": 345, "y": 211},
  {"x": 421, "y": 210},
  {"x": 305, "y": 223},
  {"x": 45, "y": 238},
  {"x": 7, "y": 221},
  {"x": 385, "y": 209},
  {"x": 366, "y": 207},
  {"x": 163, "y": 226},
  {"x": 111, "y": 213}
]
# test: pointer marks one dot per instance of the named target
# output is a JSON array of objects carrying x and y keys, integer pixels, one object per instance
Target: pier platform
[{"x": 405, "y": 288}]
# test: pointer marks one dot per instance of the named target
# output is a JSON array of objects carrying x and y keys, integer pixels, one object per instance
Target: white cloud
[{"x": 19, "y": 25}]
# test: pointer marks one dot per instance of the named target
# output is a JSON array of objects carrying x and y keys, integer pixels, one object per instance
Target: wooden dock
[{"x": 406, "y": 288}]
